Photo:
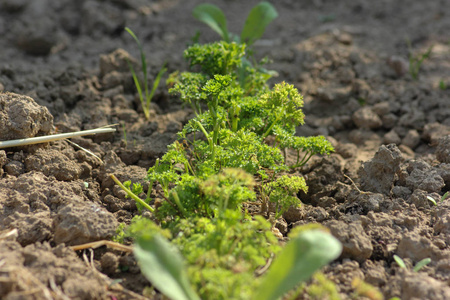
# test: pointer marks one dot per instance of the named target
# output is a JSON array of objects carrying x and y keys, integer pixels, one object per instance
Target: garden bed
[{"x": 66, "y": 63}]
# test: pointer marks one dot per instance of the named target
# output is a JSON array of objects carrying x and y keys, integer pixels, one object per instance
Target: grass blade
[
  {"x": 145, "y": 103},
  {"x": 163, "y": 266},
  {"x": 155, "y": 84},
  {"x": 212, "y": 16},
  {"x": 259, "y": 17},
  {"x": 302, "y": 256}
]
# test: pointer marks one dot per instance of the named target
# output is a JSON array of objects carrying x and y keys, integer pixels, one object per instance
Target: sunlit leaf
[
  {"x": 260, "y": 16},
  {"x": 163, "y": 266},
  {"x": 212, "y": 16},
  {"x": 303, "y": 255}
]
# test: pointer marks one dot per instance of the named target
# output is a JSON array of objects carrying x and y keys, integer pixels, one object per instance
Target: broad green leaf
[
  {"x": 302, "y": 256},
  {"x": 212, "y": 16},
  {"x": 259, "y": 17},
  {"x": 163, "y": 266}
]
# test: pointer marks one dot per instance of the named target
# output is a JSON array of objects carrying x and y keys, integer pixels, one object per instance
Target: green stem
[
  {"x": 269, "y": 129},
  {"x": 130, "y": 194},
  {"x": 178, "y": 203},
  {"x": 304, "y": 160},
  {"x": 149, "y": 192}
]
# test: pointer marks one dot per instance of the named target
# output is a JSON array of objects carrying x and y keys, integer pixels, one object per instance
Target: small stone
[
  {"x": 109, "y": 263},
  {"x": 443, "y": 149},
  {"x": 116, "y": 61},
  {"x": 381, "y": 108},
  {"x": 391, "y": 138},
  {"x": 415, "y": 247},
  {"x": 401, "y": 192},
  {"x": 366, "y": 118},
  {"x": 434, "y": 131},
  {"x": 411, "y": 139},
  {"x": 53, "y": 162},
  {"x": 427, "y": 180},
  {"x": 356, "y": 244},
  {"x": 344, "y": 38},
  {"x": 346, "y": 150},
  {"x": 399, "y": 65},
  {"x": 418, "y": 285},
  {"x": 82, "y": 222},
  {"x": 21, "y": 117},
  {"x": 389, "y": 120},
  {"x": 419, "y": 199},
  {"x": 444, "y": 171},
  {"x": 14, "y": 168},
  {"x": 377, "y": 175}
]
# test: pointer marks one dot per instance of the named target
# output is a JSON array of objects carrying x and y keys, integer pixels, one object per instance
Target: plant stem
[{"x": 130, "y": 194}]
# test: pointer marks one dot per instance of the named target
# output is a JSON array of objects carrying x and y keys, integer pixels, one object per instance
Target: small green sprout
[
  {"x": 415, "y": 61},
  {"x": 145, "y": 96},
  {"x": 432, "y": 200},
  {"x": 417, "y": 267},
  {"x": 442, "y": 85}
]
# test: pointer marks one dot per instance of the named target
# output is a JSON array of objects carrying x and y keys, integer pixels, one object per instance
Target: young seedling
[
  {"x": 432, "y": 200},
  {"x": 416, "y": 268},
  {"x": 145, "y": 95},
  {"x": 415, "y": 61}
]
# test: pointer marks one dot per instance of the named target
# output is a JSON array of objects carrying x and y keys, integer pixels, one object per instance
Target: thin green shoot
[
  {"x": 416, "y": 268},
  {"x": 399, "y": 261},
  {"x": 144, "y": 95},
  {"x": 130, "y": 194},
  {"x": 445, "y": 196},
  {"x": 431, "y": 199},
  {"x": 421, "y": 264},
  {"x": 415, "y": 61}
]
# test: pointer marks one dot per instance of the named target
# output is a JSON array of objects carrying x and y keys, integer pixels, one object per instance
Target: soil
[{"x": 63, "y": 67}]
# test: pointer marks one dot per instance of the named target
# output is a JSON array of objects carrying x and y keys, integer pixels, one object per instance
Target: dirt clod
[
  {"x": 21, "y": 117},
  {"x": 377, "y": 175}
]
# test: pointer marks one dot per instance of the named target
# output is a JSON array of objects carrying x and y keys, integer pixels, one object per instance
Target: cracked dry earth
[{"x": 63, "y": 65}]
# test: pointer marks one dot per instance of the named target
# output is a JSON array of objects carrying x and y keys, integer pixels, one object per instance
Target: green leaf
[
  {"x": 431, "y": 199},
  {"x": 260, "y": 16},
  {"x": 145, "y": 106},
  {"x": 212, "y": 16},
  {"x": 302, "y": 256},
  {"x": 163, "y": 266},
  {"x": 421, "y": 264},
  {"x": 399, "y": 261}
]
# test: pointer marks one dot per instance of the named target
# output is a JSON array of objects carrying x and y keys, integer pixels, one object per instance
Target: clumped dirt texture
[{"x": 63, "y": 67}]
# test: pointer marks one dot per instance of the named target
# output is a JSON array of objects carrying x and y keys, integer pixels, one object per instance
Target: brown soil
[{"x": 65, "y": 62}]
